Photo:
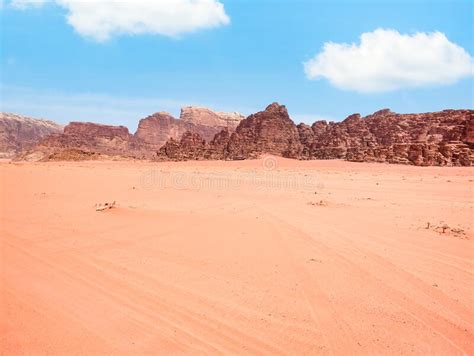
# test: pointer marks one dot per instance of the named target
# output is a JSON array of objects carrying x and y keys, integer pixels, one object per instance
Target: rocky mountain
[
  {"x": 441, "y": 138},
  {"x": 206, "y": 117},
  {"x": 438, "y": 138},
  {"x": 19, "y": 133},
  {"x": 82, "y": 140},
  {"x": 444, "y": 138},
  {"x": 270, "y": 131},
  {"x": 191, "y": 146},
  {"x": 153, "y": 131}
]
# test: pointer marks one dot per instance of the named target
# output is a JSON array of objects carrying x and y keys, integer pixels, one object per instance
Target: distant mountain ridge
[
  {"x": 444, "y": 138},
  {"x": 91, "y": 140},
  {"x": 19, "y": 133}
]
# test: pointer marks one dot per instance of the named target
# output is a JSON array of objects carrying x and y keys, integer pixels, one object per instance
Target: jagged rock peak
[
  {"x": 383, "y": 112},
  {"x": 353, "y": 117},
  {"x": 276, "y": 108}
]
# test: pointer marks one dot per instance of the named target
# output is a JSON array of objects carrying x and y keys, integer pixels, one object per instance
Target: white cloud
[
  {"x": 102, "y": 19},
  {"x": 386, "y": 60}
]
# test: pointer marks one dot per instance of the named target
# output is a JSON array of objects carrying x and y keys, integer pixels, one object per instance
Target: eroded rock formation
[
  {"x": 153, "y": 131},
  {"x": 20, "y": 133},
  {"x": 270, "y": 131},
  {"x": 443, "y": 138},
  {"x": 191, "y": 146},
  {"x": 438, "y": 138},
  {"x": 206, "y": 117},
  {"x": 82, "y": 140}
]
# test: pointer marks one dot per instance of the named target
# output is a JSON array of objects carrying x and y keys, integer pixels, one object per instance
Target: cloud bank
[
  {"x": 386, "y": 60},
  {"x": 101, "y": 20}
]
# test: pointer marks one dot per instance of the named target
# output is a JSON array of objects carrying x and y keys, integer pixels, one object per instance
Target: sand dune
[{"x": 270, "y": 256}]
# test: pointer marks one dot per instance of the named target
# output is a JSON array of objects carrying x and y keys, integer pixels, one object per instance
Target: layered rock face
[
  {"x": 155, "y": 130},
  {"x": 191, "y": 147},
  {"x": 206, "y": 117},
  {"x": 443, "y": 138},
  {"x": 439, "y": 138},
  {"x": 82, "y": 140},
  {"x": 20, "y": 133},
  {"x": 270, "y": 131}
]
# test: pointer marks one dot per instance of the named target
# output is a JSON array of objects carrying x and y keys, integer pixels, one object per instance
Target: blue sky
[{"x": 250, "y": 56}]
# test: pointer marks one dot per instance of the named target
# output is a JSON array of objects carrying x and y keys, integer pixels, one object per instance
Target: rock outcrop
[
  {"x": 443, "y": 138},
  {"x": 206, "y": 117},
  {"x": 153, "y": 131},
  {"x": 438, "y": 138},
  {"x": 20, "y": 133},
  {"x": 191, "y": 146},
  {"x": 270, "y": 131},
  {"x": 81, "y": 140}
]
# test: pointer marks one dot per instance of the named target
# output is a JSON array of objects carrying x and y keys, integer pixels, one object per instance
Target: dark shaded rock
[
  {"x": 155, "y": 130},
  {"x": 81, "y": 139},
  {"x": 444, "y": 138},
  {"x": 306, "y": 136},
  {"x": 439, "y": 138},
  {"x": 191, "y": 147},
  {"x": 270, "y": 131},
  {"x": 218, "y": 146}
]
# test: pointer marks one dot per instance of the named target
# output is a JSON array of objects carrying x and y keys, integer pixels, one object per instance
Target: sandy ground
[{"x": 253, "y": 257}]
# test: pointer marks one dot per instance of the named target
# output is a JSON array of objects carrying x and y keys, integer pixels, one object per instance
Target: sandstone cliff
[
  {"x": 191, "y": 146},
  {"x": 79, "y": 140},
  {"x": 19, "y": 133},
  {"x": 438, "y": 138},
  {"x": 443, "y": 138},
  {"x": 83, "y": 140},
  {"x": 153, "y": 131},
  {"x": 206, "y": 117},
  {"x": 270, "y": 131}
]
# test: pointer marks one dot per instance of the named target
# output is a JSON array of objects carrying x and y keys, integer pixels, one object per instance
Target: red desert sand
[{"x": 269, "y": 256}]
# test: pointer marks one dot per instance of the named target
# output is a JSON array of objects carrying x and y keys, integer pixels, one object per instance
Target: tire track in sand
[{"x": 456, "y": 337}]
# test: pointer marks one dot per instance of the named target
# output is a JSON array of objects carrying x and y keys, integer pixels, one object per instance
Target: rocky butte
[
  {"x": 82, "y": 140},
  {"x": 437, "y": 138},
  {"x": 444, "y": 138},
  {"x": 153, "y": 131}
]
